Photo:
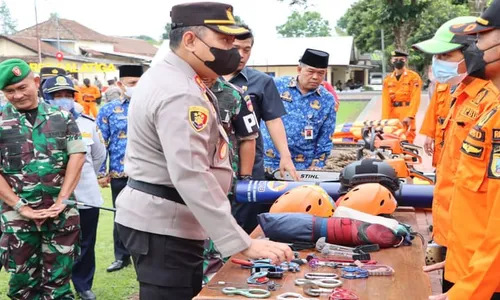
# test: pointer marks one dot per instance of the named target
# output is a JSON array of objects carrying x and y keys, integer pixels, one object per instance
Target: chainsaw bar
[{"x": 310, "y": 176}]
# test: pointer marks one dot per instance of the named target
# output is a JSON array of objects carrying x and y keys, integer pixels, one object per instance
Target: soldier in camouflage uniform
[
  {"x": 240, "y": 123},
  {"x": 41, "y": 157}
]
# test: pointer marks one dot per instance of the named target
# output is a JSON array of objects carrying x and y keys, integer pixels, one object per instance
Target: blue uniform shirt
[
  {"x": 267, "y": 105},
  {"x": 309, "y": 124},
  {"x": 112, "y": 122}
]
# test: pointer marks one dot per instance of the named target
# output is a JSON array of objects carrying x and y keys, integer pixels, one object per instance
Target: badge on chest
[{"x": 308, "y": 132}]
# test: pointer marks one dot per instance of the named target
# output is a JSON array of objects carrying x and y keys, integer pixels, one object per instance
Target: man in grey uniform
[{"x": 177, "y": 160}]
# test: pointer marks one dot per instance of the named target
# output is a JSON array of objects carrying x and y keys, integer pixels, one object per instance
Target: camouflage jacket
[
  {"x": 33, "y": 160},
  {"x": 235, "y": 112}
]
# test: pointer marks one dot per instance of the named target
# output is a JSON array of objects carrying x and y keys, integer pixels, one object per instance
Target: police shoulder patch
[
  {"x": 198, "y": 117},
  {"x": 471, "y": 150},
  {"x": 494, "y": 165}
]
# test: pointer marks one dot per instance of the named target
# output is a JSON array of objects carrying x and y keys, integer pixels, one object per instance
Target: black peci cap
[
  {"x": 315, "y": 58},
  {"x": 131, "y": 71},
  {"x": 216, "y": 16}
]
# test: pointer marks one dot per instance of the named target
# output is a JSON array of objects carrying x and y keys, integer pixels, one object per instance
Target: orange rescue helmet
[
  {"x": 311, "y": 199},
  {"x": 370, "y": 198}
]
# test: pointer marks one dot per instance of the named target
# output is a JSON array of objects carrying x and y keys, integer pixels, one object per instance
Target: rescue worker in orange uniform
[
  {"x": 401, "y": 94},
  {"x": 89, "y": 95},
  {"x": 473, "y": 257},
  {"x": 447, "y": 50}
]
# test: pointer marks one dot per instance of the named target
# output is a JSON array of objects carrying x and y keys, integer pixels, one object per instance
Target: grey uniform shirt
[
  {"x": 174, "y": 139},
  {"x": 87, "y": 190}
]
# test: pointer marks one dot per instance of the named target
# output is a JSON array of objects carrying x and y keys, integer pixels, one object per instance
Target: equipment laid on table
[
  {"x": 292, "y": 296},
  {"x": 378, "y": 270},
  {"x": 354, "y": 273},
  {"x": 249, "y": 293},
  {"x": 342, "y": 294},
  {"x": 321, "y": 282}
]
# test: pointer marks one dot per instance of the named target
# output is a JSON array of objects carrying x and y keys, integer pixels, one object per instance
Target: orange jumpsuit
[
  {"x": 89, "y": 95},
  {"x": 78, "y": 96},
  {"x": 473, "y": 257},
  {"x": 401, "y": 98},
  {"x": 472, "y": 98},
  {"x": 437, "y": 111}
]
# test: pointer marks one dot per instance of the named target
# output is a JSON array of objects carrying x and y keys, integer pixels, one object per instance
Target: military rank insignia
[
  {"x": 16, "y": 71},
  {"x": 198, "y": 117},
  {"x": 248, "y": 101}
]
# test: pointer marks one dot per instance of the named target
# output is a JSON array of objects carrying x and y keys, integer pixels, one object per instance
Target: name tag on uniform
[
  {"x": 122, "y": 117},
  {"x": 308, "y": 132}
]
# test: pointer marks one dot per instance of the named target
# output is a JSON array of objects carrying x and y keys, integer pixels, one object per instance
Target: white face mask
[
  {"x": 447, "y": 72},
  {"x": 129, "y": 90}
]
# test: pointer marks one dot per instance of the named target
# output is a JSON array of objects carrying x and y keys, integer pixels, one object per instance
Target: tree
[
  {"x": 365, "y": 19},
  {"x": 146, "y": 38},
  {"x": 166, "y": 34},
  {"x": 238, "y": 20},
  {"x": 8, "y": 25},
  {"x": 296, "y": 2},
  {"x": 308, "y": 24}
]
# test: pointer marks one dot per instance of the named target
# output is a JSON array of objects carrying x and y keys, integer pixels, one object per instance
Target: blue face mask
[
  {"x": 67, "y": 104},
  {"x": 447, "y": 72}
]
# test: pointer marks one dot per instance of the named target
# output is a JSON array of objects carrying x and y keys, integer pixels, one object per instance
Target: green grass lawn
[
  {"x": 117, "y": 285},
  {"x": 349, "y": 111}
]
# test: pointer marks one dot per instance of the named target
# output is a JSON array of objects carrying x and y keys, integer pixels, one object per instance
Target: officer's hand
[
  {"x": 286, "y": 164},
  {"x": 434, "y": 267},
  {"x": 38, "y": 216},
  {"x": 429, "y": 146},
  {"x": 104, "y": 182},
  {"x": 278, "y": 252},
  {"x": 439, "y": 297},
  {"x": 56, "y": 209}
]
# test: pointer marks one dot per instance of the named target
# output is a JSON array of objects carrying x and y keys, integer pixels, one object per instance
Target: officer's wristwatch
[
  {"x": 22, "y": 202},
  {"x": 245, "y": 177}
]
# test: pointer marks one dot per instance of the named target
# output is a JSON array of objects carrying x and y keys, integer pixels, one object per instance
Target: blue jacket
[
  {"x": 309, "y": 125},
  {"x": 112, "y": 122}
]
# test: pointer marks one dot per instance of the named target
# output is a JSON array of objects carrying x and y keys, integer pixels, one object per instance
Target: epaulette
[{"x": 87, "y": 117}]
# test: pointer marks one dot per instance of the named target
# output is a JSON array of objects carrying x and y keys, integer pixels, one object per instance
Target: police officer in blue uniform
[
  {"x": 310, "y": 118},
  {"x": 113, "y": 122}
]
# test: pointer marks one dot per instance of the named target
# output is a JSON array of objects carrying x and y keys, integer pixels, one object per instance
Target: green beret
[{"x": 13, "y": 71}]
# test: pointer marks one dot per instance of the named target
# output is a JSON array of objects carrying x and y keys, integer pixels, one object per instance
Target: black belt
[
  {"x": 400, "y": 103},
  {"x": 157, "y": 190}
]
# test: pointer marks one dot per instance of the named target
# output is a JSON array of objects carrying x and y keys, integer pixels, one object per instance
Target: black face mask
[
  {"x": 398, "y": 64},
  {"x": 474, "y": 61},
  {"x": 225, "y": 62}
]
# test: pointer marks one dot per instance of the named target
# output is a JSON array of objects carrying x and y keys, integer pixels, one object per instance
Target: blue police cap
[{"x": 58, "y": 83}]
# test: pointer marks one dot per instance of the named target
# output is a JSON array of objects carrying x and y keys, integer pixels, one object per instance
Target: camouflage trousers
[{"x": 40, "y": 263}]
